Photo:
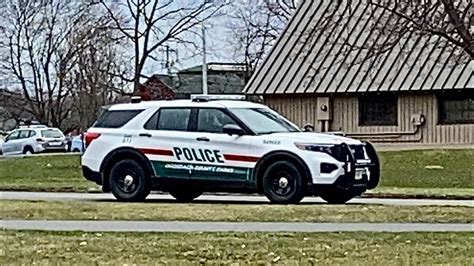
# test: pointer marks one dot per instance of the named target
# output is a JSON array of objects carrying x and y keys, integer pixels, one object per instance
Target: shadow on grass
[{"x": 230, "y": 202}]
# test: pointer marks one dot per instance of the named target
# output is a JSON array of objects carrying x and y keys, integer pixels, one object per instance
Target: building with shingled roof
[{"x": 420, "y": 90}]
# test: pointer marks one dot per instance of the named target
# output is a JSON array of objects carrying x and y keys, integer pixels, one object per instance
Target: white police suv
[{"x": 187, "y": 147}]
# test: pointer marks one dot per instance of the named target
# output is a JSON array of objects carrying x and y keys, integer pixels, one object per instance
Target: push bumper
[
  {"x": 92, "y": 175},
  {"x": 359, "y": 175}
]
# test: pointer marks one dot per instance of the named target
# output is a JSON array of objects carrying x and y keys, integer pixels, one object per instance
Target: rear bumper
[
  {"x": 55, "y": 148},
  {"x": 92, "y": 175}
]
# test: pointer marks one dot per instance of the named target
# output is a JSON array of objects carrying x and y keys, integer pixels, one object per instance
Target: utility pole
[
  {"x": 204, "y": 61},
  {"x": 168, "y": 61}
]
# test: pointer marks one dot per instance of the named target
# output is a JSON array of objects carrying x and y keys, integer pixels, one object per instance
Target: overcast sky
[{"x": 219, "y": 48}]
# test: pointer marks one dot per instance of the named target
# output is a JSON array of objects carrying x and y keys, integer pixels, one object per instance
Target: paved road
[
  {"x": 48, "y": 196},
  {"x": 147, "y": 226}
]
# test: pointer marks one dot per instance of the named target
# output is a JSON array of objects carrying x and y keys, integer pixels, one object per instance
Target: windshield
[
  {"x": 51, "y": 133},
  {"x": 263, "y": 120}
]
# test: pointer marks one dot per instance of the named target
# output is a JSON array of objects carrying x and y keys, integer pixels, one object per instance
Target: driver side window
[
  {"x": 213, "y": 120},
  {"x": 13, "y": 136}
]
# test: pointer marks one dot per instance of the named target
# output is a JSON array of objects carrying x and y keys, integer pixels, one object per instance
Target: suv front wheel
[
  {"x": 283, "y": 183},
  {"x": 128, "y": 181}
]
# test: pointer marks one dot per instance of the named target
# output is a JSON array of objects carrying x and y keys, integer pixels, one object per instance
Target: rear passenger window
[
  {"x": 115, "y": 118},
  {"x": 173, "y": 119},
  {"x": 24, "y": 134}
]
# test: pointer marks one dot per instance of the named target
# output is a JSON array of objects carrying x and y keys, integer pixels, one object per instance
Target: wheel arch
[
  {"x": 121, "y": 154},
  {"x": 27, "y": 147},
  {"x": 275, "y": 156}
]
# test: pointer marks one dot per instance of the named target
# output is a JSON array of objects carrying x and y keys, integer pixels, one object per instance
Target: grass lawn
[
  {"x": 402, "y": 172},
  {"x": 407, "y": 169},
  {"x": 166, "y": 211},
  {"x": 43, "y": 173},
  {"x": 30, "y": 247}
]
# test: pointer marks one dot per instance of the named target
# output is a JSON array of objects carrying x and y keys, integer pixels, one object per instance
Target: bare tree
[
  {"x": 92, "y": 86},
  {"x": 12, "y": 106},
  {"x": 451, "y": 20},
  {"x": 148, "y": 25},
  {"x": 255, "y": 29},
  {"x": 41, "y": 44},
  {"x": 37, "y": 55}
]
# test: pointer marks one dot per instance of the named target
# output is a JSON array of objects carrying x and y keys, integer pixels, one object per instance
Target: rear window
[
  {"x": 116, "y": 118},
  {"x": 51, "y": 133}
]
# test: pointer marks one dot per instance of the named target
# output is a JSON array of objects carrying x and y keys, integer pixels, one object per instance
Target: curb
[{"x": 367, "y": 195}]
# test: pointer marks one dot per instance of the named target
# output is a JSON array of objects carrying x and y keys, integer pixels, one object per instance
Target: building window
[
  {"x": 456, "y": 108},
  {"x": 378, "y": 110}
]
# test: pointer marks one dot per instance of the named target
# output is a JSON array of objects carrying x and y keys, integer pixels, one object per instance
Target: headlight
[
  {"x": 324, "y": 148},
  {"x": 340, "y": 152}
]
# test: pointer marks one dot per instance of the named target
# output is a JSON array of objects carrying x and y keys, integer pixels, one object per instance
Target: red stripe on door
[
  {"x": 241, "y": 158},
  {"x": 157, "y": 152}
]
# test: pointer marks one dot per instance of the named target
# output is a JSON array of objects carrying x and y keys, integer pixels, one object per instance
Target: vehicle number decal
[{"x": 127, "y": 139}]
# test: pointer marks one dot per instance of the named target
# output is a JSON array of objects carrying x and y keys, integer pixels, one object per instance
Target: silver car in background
[{"x": 34, "y": 139}]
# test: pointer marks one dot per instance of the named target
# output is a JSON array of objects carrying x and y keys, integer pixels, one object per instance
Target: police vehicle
[{"x": 187, "y": 147}]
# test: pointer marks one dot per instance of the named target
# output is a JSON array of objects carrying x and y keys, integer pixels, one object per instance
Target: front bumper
[{"x": 361, "y": 168}]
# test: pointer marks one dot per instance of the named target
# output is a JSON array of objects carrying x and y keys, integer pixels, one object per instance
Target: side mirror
[
  {"x": 233, "y": 130},
  {"x": 308, "y": 128}
]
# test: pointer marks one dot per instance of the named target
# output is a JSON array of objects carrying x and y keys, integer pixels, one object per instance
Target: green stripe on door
[{"x": 201, "y": 171}]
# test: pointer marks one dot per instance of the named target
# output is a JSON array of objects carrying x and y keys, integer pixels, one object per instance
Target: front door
[
  {"x": 218, "y": 156},
  {"x": 11, "y": 143}
]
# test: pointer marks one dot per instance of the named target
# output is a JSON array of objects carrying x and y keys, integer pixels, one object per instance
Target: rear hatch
[
  {"x": 52, "y": 137},
  {"x": 109, "y": 120}
]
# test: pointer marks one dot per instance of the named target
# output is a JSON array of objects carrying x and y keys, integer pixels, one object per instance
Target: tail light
[
  {"x": 89, "y": 137},
  {"x": 40, "y": 140}
]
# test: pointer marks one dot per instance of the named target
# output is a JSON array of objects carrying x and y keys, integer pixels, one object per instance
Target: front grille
[{"x": 358, "y": 152}]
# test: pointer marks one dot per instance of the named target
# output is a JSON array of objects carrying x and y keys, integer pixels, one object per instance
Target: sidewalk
[{"x": 175, "y": 226}]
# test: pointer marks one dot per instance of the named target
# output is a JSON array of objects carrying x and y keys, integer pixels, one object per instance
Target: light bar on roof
[{"x": 218, "y": 97}]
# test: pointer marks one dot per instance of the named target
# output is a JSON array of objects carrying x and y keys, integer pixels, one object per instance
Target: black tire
[
  {"x": 336, "y": 195},
  {"x": 183, "y": 195},
  {"x": 28, "y": 150},
  {"x": 129, "y": 181},
  {"x": 375, "y": 169},
  {"x": 289, "y": 190}
]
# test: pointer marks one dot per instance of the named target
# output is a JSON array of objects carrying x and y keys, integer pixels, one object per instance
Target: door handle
[
  {"x": 202, "y": 139},
  {"x": 148, "y": 135}
]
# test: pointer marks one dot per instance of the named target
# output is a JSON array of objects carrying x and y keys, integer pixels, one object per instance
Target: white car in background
[{"x": 34, "y": 139}]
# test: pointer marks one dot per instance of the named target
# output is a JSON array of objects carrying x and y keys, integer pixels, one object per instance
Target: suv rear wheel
[
  {"x": 28, "y": 150},
  {"x": 283, "y": 183},
  {"x": 336, "y": 195},
  {"x": 129, "y": 181}
]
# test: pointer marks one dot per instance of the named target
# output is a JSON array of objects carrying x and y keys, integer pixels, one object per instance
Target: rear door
[
  {"x": 215, "y": 155},
  {"x": 163, "y": 138}
]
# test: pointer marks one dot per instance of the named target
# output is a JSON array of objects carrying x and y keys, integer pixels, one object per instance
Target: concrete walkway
[
  {"x": 151, "y": 226},
  {"x": 247, "y": 199}
]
